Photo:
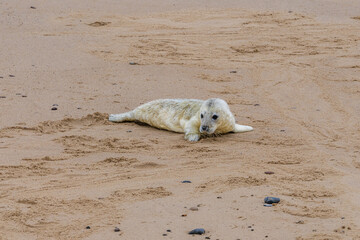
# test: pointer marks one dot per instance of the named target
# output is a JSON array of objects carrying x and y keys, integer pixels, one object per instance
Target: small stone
[
  {"x": 271, "y": 200},
  {"x": 194, "y": 209},
  {"x": 23, "y": 96},
  {"x": 79, "y": 108},
  {"x": 249, "y": 226},
  {"x": 133, "y": 63},
  {"x": 183, "y": 215},
  {"x": 342, "y": 217},
  {"x": 87, "y": 227},
  {"x": 219, "y": 197},
  {"x": 116, "y": 229},
  {"x": 128, "y": 131},
  {"x": 252, "y": 230},
  {"x": 256, "y": 104},
  {"x": 32, "y": 7},
  {"x": 164, "y": 234},
  {"x": 233, "y": 71},
  {"x": 207, "y": 237},
  {"x": 186, "y": 181},
  {"x": 11, "y": 75},
  {"x": 266, "y": 236},
  {"x": 300, "y": 222},
  {"x": 54, "y": 108},
  {"x": 267, "y": 205},
  {"x": 269, "y": 172},
  {"x": 55, "y": 105},
  {"x": 1, "y": 77},
  {"x": 282, "y": 130},
  {"x": 2, "y": 97},
  {"x": 199, "y": 231},
  {"x": 290, "y": 11},
  {"x": 168, "y": 230}
]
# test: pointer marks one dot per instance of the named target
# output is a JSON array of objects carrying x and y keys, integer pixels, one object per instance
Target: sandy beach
[{"x": 290, "y": 69}]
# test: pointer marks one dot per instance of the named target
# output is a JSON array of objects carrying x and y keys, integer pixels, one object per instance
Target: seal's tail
[
  {"x": 242, "y": 128},
  {"x": 122, "y": 117}
]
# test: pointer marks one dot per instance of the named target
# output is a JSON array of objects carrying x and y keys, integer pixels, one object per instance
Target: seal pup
[{"x": 190, "y": 116}]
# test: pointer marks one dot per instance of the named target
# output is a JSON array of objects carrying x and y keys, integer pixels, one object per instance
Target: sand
[{"x": 290, "y": 69}]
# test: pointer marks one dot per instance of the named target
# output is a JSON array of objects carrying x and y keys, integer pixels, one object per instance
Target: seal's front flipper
[{"x": 242, "y": 128}]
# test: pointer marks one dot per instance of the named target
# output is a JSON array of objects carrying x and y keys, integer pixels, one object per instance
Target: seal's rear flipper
[
  {"x": 242, "y": 128},
  {"x": 122, "y": 117}
]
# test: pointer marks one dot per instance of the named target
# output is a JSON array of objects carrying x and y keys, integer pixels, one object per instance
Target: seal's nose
[{"x": 205, "y": 128}]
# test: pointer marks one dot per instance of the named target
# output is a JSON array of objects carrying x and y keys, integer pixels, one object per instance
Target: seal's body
[{"x": 190, "y": 116}]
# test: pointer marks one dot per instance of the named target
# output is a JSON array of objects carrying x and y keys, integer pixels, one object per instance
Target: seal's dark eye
[
  {"x": 202, "y": 116},
  {"x": 215, "y": 117}
]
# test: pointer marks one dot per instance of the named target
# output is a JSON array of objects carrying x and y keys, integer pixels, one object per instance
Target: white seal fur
[{"x": 190, "y": 116}]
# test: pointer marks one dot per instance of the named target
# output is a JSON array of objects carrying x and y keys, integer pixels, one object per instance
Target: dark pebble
[
  {"x": 256, "y": 104},
  {"x": 282, "y": 130},
  {"x": 23, "y": 95},
  {"x": 342, "y": 217},
  {"x": 269, "y": 172},
  {"x": 300, "y": 222},
  {"x": 266, "y": 236},
  {"x": 2, "y": 97},
  {"x": 219, "y": 197},
  {"x": 168, "y": 230},
  {"x": 290, "y": 11},
  {"x": 194, "y": 209},
  {"x": 55, "y": 105},
  {"x": 207, "y": 237},
  {"x": 116, "y": 229},
  {"x": 79, "y": 108},
  {"x": 271, "y": 200},
  {"x": 267, "y": 205},
  {"x": 1, "y": 77},
  {"x": 252, "y": 230},
  {"x": 87, "y": 227},
  {"x": 233, "y": 71},
  {"x": 54, "y": 108},
  {"x": 199, "y": 231},
  {"x": 32, "y": 7},
  {"x": 164, "y": 234},
  {"x": 186, "y": 181},
  {"x": 128, "y": 131},
  {"x": 11, "y": 75},
  {"x": 133, "y": 63}
]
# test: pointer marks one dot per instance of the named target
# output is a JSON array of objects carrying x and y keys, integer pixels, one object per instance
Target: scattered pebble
[
  {"x": 199, "y": 231},
  {"x": 256, "y": 104},
  {"x": 269, "y": 172},
  {"x": 186, "y": 181},
  {"x": 282, "y": 130},
  {"x": 271, "y": 200},
  {"x": 252, "y": 230},
  {"x": 207, "y": 237},
  {"x": 300, "y": 222},
  {"x": 87, "y": 227},
  {"x": 55, "y": 105},
  {"x": 233, "y": 71},
  {"x": 23, "y": 95},
  {"x": 164, "y": 234},
  {"x": 2, "y": 97},
  {"x": 290, "y": 11},
  {"x": 79, "y": 108},
  {"x": 266, "y": 236},
  {"x": 194, "y": 209},
  {"x": 1, "y": 77},
  {"x": 267, "y": 205},
  {"x": 342, "y": 217},
  {"x": 54, "y": 108},
  {"x": 219, "y": 197},
  {"x": 128, "y": 131},
  {"x": 133, "y": 63},
  {"x": 183, "y": 215},
  {"x": 11, "y": 75},
  {"x": 168, "y": 230},
  {"x": 116, "y": 229},
  {"x": 32, "y": 7}
]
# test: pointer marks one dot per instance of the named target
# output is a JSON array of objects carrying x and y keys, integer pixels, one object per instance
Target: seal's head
[{"x": 216, "y": 117}]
